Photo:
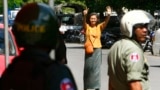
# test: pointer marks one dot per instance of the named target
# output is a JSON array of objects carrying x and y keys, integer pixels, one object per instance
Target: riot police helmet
[
  {"x": 135, "y": 17},
  {"x": 36, "y": 25}
]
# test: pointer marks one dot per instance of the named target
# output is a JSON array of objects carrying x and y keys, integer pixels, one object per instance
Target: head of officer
[
  {"x": 134, "y": 25},
  {"x": 36, "y": 25}
]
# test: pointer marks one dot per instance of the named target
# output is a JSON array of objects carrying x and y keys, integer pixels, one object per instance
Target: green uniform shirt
[{"x": 126, "y": 62}]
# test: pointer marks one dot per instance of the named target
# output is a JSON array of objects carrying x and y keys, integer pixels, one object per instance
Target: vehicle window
[
  {"x": 68, "y": 20},
  {"x": 65, "y": 19},
  {"x": 1, "y": 19},
  {"x": 12, "y": 50},
  {"x": 13, "y": 14}
]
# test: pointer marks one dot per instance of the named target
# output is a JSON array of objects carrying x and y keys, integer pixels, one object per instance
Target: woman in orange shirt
[{"x": 92, "y": 66}]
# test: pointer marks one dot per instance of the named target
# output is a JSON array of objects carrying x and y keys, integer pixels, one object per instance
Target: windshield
[{"x": 66, "y": 19}]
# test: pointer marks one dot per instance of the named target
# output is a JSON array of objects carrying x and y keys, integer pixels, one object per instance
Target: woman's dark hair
[{"x": 91, "y": 14}]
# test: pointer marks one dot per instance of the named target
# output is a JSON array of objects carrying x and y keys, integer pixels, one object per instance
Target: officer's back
[{"x": 36, "y": 30}]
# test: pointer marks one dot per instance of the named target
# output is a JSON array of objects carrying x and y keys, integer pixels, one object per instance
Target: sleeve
[
  {"x": 71, "y": 77},
  {"x": 59, "y": 77},
  {"x": 134, "y": 61}
]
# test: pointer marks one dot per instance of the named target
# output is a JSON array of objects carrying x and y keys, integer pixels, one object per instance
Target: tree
[
  {"x": 95, "y": 5},
  {"x": 11, "y": 4},
  {"x": 99, "y": 5}
]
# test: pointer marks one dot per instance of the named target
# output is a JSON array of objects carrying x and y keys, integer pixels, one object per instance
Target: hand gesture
[
  {"x": 108, "y": 10},
  {"x": 85, "y": 12}
]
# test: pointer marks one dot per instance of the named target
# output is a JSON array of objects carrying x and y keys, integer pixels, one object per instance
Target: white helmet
[{"x": 135, "y": 17}]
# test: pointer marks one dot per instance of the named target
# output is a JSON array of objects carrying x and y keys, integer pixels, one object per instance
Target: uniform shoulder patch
[
  {"x": 134, "y": 57},
  {"x": 66, "y": 84}
]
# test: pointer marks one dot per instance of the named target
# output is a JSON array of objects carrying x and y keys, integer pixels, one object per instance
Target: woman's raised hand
[
  {"x": 109, "y": 10},
  {"x": 85, "y": 12}
]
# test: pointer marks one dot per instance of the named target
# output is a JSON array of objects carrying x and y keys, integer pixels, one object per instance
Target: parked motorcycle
[
  {"x": 148, "y": 45},
  {"x": 73, "y": 34},
  {"x": 108, "y": 39}
]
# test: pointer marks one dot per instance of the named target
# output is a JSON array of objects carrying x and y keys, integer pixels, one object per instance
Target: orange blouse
[{"x": 94, "y": 34}]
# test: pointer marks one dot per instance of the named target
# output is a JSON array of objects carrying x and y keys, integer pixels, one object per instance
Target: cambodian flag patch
[
  {"x": 134, "y": 57},
  {"x": 66, "y": 84}
]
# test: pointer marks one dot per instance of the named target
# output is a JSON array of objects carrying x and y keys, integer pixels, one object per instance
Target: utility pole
[
  {"x": 5, "y": 14},
  {"x": 51, "y": 3}
]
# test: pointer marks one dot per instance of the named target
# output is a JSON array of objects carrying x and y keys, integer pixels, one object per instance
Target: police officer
[
  {"x": 36, "y": 29},
  {"x": 127, "y": 66}
]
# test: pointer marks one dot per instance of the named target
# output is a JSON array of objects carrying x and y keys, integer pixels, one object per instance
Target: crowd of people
[{"x": 36, "y": 29}]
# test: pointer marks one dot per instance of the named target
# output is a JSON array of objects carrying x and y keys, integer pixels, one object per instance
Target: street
[{"x": 75, "y": 55}]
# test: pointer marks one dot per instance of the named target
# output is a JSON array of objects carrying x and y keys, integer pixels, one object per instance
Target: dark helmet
[{"x": 36, "y": 25}]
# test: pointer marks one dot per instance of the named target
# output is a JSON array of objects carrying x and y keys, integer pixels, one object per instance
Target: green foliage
[
  {"x": 95, "y": 5},
  {"x": 68, "y": 10},
  {"x": 14, "y": 4},
  {"x": 99, "y": 5},
  {"x": 1, "y": 6}
]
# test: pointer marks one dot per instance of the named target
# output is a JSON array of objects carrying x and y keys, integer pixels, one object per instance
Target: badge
[
  {"x": 66, "y": 84},
  {"x": 134, "y": 57}
]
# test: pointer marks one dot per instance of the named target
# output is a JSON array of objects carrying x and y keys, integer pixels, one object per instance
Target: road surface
[{"x": 75, "y": 55}]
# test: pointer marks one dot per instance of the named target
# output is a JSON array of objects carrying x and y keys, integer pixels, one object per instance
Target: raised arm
[
  {"x": 106, "y": 20},
  {"x": 135, "y": 85},
  {"x": 85, "y": 12}
]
